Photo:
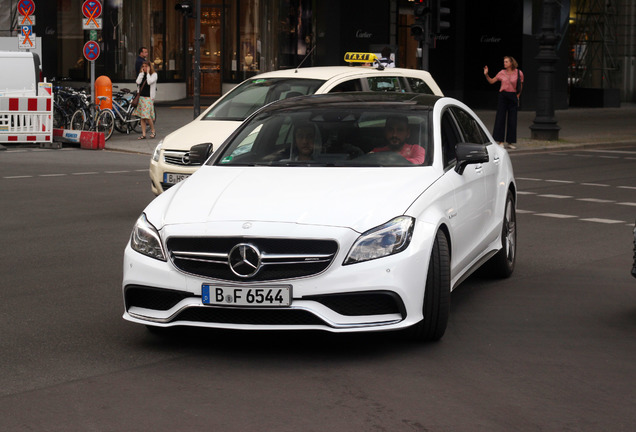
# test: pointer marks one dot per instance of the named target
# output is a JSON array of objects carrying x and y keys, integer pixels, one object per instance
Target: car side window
[
  {"x": 385, "y": 84},
  {"x": 471, "y": 130},
  {"x": 450, "y": 138},
  {"x": 353, "y": 85},
  {"x": 418, "y": 86}
]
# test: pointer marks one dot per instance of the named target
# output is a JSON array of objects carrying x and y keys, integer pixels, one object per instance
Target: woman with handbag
[
  {"x": 511, "y": 79},
  {"x": 145, "y": 109}
]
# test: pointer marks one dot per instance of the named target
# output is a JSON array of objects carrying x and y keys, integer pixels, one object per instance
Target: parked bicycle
[
  {"x": 90, "y": 117},
  {"x": 122, "y": 110},
  {"x": 65, "y": 103}
]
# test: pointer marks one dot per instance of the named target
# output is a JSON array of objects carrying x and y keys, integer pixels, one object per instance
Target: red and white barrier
[
  {"x": 86, "y": 140},
  {"x": 26, "y": 119}
]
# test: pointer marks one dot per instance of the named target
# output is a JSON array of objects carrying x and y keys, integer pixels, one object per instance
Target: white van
[{"x": 19, "y": 74}]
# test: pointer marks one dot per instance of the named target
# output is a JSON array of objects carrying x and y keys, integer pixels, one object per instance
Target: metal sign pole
[
  {"x": 93, "y": 81},
  {"x": 197, "y": 59}
]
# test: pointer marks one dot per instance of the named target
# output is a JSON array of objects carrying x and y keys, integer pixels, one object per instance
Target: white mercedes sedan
[{"x": 341, "y": 212}]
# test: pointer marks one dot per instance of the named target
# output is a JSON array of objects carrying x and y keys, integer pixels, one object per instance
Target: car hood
[
  {"x": 356, "y": 198},
  {"x": 198, "y": 132}
]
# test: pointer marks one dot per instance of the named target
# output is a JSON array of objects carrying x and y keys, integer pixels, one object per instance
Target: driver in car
[{"x": 396, "y": 132}]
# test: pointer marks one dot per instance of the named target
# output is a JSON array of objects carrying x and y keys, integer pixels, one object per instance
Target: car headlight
[
  {"x": 145, "y": 239},
  {"x": 157, "y": 152},
  {"x": 387, "y": 239}
]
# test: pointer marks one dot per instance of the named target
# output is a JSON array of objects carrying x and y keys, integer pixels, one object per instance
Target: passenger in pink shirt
[
  {"x": 511, "y": 79},
  {"x": 396, "y": 132}
]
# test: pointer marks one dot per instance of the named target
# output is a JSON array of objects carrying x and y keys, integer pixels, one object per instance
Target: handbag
[
  {"x": 135, "y": 100},
  {"x": 518, "y": 81}
]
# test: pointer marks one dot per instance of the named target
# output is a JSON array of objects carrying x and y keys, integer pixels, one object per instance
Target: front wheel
[
  {"x": 436, "y": 306},
  {"x": 78, "y": 120},
  {"x": 503, "y": 263},
  {"x": 106, "y": 123}
]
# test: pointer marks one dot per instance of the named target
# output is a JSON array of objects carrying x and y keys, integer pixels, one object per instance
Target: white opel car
[
  {"x": 343, "y": 212},
  {"x": 171, "y": 160}
]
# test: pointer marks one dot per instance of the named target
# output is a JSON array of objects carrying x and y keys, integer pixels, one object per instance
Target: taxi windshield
[
  {"x": 355, "y": 136},
  {"x": 256, "y": 93}
]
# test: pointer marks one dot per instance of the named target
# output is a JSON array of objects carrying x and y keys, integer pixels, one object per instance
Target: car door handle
[
  {"x": 496, "y": 160},
  {"x": 479, "y": 168}
]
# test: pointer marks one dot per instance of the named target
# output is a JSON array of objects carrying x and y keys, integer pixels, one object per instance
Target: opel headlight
[
  {"x": 145, "y": 239},
  {"x": 388, "y": 239},
  {"x": 157, "y": 152}
]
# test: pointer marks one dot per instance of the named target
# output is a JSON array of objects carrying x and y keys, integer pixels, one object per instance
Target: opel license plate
[
  {"x": 220, "y": 295},
  {"x": 173, "y": 178}
]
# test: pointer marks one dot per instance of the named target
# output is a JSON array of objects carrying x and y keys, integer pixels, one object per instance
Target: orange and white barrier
[{"x": 26, "y": 119}]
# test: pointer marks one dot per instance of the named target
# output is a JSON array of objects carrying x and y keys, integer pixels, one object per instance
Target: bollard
[{"x": 104, "y": 87}]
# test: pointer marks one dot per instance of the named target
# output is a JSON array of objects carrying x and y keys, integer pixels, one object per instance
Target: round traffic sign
[
  {"x": 91, "y": 9},
  {"x": 26, "y": 7},
  {"x": 91, "y": 50}
]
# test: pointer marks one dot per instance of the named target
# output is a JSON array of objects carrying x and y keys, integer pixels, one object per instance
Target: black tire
[
  {"x": 78, "y": 121},
  {"x": 503, "y": 263},
  {"x": 58, "y": 118},
  {"x": 436, "y": 306},
  {"x": 106, "y": 123}
]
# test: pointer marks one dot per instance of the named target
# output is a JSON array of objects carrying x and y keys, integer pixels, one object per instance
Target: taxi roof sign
[{"x": 353, "y": 57}]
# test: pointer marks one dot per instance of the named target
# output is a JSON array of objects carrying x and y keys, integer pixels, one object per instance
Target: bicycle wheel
[
  {"x": 120, "y": 122},
  {"x": 78, "y": 120},
  {"x": 58, "y": 117},
  {"x": 106, "y": 123}
]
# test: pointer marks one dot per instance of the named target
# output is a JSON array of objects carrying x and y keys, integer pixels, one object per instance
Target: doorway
[{"x": 211, "y": 43}]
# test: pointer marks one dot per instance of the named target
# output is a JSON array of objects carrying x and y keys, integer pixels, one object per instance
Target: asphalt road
[{"x": 550, "y": 349}]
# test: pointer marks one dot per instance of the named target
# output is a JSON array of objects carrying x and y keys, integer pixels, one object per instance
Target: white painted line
[
  {"x": 626, "y": 187},
  {"x": 525, "y": 211},
  {"x": 609, "y": 157},
  {"x": 555, "y": 196},
  {"x": 18, "y": 177},
  {"x": 595, "y": 184},
  {"x": 605, "y": 221},
  {"x": 633, "y": 204},
  {"x": 115, "y": 172},
  {"x": 595, "y": 200},
  {"x": 525, "y": 193},
  {"x": 85, "y": 173},
  {"x": 556, "y": 215},
  {"x": 528, "y": 179},
  {"x": 51, "y": 175},
  {"x": 560, "y": 181}
]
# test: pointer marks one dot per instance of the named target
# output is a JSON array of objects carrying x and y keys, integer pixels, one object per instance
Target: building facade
[{"x": 241, "y": 38}]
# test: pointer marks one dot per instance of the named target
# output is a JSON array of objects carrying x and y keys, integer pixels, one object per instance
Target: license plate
[
  {"x": 244, "y": 296},
  {"x": 172, "y": 178}
]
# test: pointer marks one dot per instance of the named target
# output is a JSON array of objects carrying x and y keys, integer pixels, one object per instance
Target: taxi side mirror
[
  {"x": 200, "y": 153},
  {"x": 469, "y": 153}
]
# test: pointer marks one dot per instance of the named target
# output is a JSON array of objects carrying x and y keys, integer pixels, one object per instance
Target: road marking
[
  {"x": 51, "y": 175},
  {"x": 596, "y": 200},
  {"x": 18, "y": 177},
  {"x": 85, "y": 173},
  {"x": 555, "y": 196},
  {"x": 605, "y": 221},
  {"x": 595, "y": 184},
  {"x": 526, "y": 193},
  {"x": 529, "y": 179},
  {"x": 116, "y": 172},
  {"x": 556, "y": 215},
  {"x": 632, "y": 204},
  {"x": 560, "y": 181},
  {"x": 626, "y": 187}
]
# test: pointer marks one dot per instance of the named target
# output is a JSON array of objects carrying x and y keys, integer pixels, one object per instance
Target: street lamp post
[{"x": 545, "y": 125}]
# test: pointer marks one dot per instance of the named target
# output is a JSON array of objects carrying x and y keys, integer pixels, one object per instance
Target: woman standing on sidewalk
[
  {"x": 511, "y": 79},
  {"x": 147, "y": 86}
]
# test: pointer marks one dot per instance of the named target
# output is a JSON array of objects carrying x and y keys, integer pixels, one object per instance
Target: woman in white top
[{"x": 147, "y": 87}]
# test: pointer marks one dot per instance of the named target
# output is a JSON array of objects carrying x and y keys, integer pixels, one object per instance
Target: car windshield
[
  {"x": 327, "y": 136},
  {"x": 256, "y": 93}
]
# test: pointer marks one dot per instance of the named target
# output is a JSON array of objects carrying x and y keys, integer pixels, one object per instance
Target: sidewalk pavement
[{"x": 580, "y": 127}]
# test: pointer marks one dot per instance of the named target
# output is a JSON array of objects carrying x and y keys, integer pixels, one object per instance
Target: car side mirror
[
  {"x": 469, "y": 153},
  {"x": 200, "y": 153}
]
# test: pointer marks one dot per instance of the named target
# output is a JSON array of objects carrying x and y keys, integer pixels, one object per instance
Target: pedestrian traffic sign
[{"x": 91, "y": 50}]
